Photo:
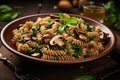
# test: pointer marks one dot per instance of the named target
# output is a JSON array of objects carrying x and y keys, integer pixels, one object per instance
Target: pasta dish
[{"x": 62, "y": 38}]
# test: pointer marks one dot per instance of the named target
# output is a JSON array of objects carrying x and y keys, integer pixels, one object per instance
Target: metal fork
[{"x": 18, "y": 75}]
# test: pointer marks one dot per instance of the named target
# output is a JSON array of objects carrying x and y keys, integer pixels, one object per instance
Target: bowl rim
[{"x": 53, "y": 61}]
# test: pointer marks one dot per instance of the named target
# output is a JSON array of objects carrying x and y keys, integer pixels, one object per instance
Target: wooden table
[{"x": 100, "y": 67}]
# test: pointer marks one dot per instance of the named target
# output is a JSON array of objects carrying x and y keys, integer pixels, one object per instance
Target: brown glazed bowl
[{"x": 6, "y": 35}]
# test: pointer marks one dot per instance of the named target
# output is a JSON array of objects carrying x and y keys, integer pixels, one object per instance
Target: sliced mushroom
[
  {"x": 34, "y": 38},
  {"x": 103, "y": 36},
  {"x": 25, "y": 37},
  {"x": 57, "y": 40},
  {"x": 46, "y": 36},
  {"x": 83, "y": 37},
  {"x": 37, "y": 55}
]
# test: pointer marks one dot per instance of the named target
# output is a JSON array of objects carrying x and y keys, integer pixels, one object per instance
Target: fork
[{"x": 18, "y": 75}]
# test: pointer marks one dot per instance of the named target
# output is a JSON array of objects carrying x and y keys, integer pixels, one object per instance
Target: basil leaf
[
  {"x": 61, "y": 29},
  {"x": 62, "y": 17},
  {"x": 85, "y": 77},
  {"x": 72, "y": 21}
]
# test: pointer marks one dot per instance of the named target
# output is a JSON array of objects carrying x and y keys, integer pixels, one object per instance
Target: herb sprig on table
[
  {"x": 7, "y": 13},
  {"x": 113, "y": 17}
]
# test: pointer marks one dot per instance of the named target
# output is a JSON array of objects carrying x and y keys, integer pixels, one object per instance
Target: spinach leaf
[
  {"x": 78, "y": 50},
  {"x": 61, "y": 29},
  {"x": 35, "y": 31},
  {"x": 31, "y": 51},
  {"x": 22, "y": 41},
  {"x": 38, "y": 48}
]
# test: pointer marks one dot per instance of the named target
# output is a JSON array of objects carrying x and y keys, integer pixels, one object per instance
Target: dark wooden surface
[{"x": 99, "y": 67}]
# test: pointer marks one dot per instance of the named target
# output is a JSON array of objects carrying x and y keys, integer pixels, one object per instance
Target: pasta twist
[{"x": 53, "y": 52}]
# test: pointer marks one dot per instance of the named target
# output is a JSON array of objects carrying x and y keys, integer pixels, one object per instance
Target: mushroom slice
[
  {"x": 83, "y": 37},
  {"x": 46, "y": 36},
  {"x": 37, "y": 55},
  {"x": 59, "y": 42},
  {"x": 103, "y": 36},
  {"x": 25, "y": 37},
  {"x": 56, "y": 39}
]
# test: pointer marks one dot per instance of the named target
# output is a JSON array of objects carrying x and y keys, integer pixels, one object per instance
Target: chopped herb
[
  {"x": 61, "y": 29},
  {"x": 90, "y": 38},
  {"x": 31, "y": 51},
  {"x": 38, "y": 48},
  {"x": 88, "y": 27},
  {"x": 55, "y": 57},
  {"x": 35, "y": 30},
  {"x": 78, "y": 50},
  {"x": 22, "y": 41}
]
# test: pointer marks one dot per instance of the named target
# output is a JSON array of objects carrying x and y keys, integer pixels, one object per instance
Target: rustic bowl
[{"x": 6, "y": 35}]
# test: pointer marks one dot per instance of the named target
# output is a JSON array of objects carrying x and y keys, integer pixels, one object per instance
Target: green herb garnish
[
  {"x": 67, "y": 22},
  {"x": 22, "y": 41},
  {"x": 35, "y": 30},
  {"x": 78, "y": 50},
  {"x": 39, "y": 48},
  {"x": 31, "y": 51}
]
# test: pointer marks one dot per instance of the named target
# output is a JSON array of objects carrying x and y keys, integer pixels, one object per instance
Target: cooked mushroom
[
  {"x": 103, "y": 36},
  {"x": 57, "y": 40},
  {"x": 83, "y": 37},
  {"x": 34, "y": 38},
  {"x": 25, "y": 37},
  {"x": 46, "y": 36},
  {"x": 37, "y": 55}
]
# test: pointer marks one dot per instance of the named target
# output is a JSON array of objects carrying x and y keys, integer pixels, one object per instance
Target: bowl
[{"x": 6, "y": 35}]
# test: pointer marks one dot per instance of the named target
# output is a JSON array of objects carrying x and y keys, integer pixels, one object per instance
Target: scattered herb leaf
[
  {"x": 7, "y": 13},
  {"x": 85, "y": 77}
]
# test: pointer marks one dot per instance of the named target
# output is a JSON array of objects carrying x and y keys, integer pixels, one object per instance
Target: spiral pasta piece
[{"x": 53, "y": 52}]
